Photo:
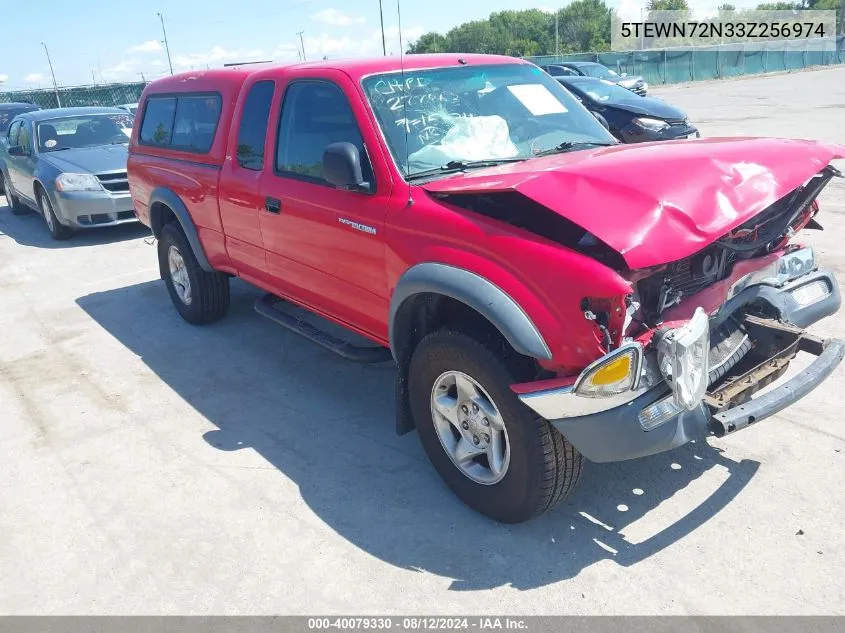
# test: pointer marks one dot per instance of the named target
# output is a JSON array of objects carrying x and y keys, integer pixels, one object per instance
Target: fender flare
[
  {"x": 476, "y": 292},
  {"x": 168, "y": 198}
]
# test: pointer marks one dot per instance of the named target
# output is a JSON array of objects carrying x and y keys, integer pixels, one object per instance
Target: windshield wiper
[
  {"x": 568, "y": 146},
  {"x": 462, "y": 165}
]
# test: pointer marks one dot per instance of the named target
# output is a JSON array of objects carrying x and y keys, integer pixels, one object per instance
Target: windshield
[
  {"x": 83, "y": 131},
  {"x": 604, "y": 91},
  {"x": 597, "y": 70},
  {"x": 476, "y": 113}
]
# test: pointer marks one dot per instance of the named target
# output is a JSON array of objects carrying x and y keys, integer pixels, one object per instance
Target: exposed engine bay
[{"x": 763, "y": 234}]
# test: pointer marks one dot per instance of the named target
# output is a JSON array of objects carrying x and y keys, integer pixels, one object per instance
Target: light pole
[
  {"x": 166, "y": 45},
  {"x": 381, "y": 17},
  {"x": 302, "y": 42},
  {"x": 55, "y": 86},
  {"x": 557, "y": 35}
]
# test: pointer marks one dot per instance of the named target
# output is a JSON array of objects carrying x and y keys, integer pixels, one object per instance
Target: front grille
[
  {"x": 687, "y": 276},
  {"x": 115, "y": 181},
  {"x": 684, "y": 278}
]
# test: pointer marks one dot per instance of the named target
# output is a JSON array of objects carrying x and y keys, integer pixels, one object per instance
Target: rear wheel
[
  {"x": 498, "y": 456},
  {"x": 18, "y": 208},
  {"x": 58, "y": 231},
  {"x": 200, "y": 297}
]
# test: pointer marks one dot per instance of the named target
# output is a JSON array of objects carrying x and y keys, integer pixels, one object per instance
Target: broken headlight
[
  {"x": 682, "y": 355},
  {"x": 786, "y": 268}
]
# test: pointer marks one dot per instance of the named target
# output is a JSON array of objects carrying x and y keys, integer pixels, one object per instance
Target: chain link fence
[
  {"x": 97, "y": 95},
  {"x": 677, "y": 65},
  {"x": 657, "y": 66}
]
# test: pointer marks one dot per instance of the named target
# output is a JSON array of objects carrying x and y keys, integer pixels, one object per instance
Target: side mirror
[
  {"x": 342, "y": 167},
  {"x": 18, "y": 150}
]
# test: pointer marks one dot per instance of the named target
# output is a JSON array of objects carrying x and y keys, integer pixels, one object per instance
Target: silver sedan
[{"x": 69, "y": 164}]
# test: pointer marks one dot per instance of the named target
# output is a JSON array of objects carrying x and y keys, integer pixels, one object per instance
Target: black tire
[
  {"x": 544, "y": 467},
  {"x": 58, "y": 231},
  {"x": 209, "y": 292},
  {"x": 18, "y": 208}
]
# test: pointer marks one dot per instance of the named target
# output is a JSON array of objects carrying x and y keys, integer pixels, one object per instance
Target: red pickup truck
[{"x": 547, "y": 294}]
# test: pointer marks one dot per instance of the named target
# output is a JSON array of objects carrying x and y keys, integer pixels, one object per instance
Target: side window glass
[
  {"x": 13, "y": 133},
  {"x": 315, "y": 114},
  {"x": 157, "y": 127},
  {"x": 24, "y": 137},
  {"x": 253, "y": 129},
  {"x": 195, "y": 122}
]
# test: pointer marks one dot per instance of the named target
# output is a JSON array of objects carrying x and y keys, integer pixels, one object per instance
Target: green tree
[
  {"x": 583, "y": 25},
  {"x": 667, "y": 5},
  {"x": 432, "y": 42}
]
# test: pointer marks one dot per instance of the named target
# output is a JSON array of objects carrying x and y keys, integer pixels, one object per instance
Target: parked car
[
  {"x": 9, "y": 111},
  {"x": 131, "y": 108},
  {"x": 630, "y": 118},
  {"x": 546, "y": 293},
  {"x": 69, "y": 164},
  {"x": 592, "y": 69}
]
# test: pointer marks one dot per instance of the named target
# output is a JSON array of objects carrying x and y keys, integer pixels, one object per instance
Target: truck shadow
[
  {"x": 328, "y": 425},
  {"x": 29, "y": 230}
]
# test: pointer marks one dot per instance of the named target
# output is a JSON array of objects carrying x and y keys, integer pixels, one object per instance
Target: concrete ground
[{"x": 148, "y": 466}]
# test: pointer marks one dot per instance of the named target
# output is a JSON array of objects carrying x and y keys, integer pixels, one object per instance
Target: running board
[{"x": 270, "y": 307}]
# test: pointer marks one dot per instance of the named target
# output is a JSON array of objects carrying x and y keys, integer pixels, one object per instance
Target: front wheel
[
  {"x": 58, "y": 231},
  {"x": 201, "y": 297},
  {"x": 496, "y": 455}
]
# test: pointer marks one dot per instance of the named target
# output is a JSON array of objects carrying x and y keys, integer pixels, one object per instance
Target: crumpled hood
[
  {"x": 657, "y": 203},
  {"x": 93, "y": 160}
]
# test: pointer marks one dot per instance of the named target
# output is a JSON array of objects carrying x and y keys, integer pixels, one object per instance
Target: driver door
[
  {"x": 22, "y": 168},
  {"x": 325, "y": 246}
]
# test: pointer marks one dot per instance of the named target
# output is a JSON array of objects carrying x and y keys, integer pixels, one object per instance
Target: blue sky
[{"x": 104, "y": 40}]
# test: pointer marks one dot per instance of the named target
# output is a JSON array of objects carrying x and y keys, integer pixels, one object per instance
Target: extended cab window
[
  {"x": 184, "y": 122},
  {"x": 315, "y": 114},
  {"x": 253, "y": 129},
  {"x": 157, "y": 127}
]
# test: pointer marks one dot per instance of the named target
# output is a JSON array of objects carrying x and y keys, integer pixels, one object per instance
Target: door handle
[{"x": 273, "y": 205}]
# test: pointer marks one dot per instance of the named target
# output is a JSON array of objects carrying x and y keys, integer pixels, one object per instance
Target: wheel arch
[
  {"x": 166, "y": 206},
  {"x": 428, "y": 281}
]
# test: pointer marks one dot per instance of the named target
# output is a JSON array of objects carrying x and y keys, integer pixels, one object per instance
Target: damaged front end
[{"x": 703, "y": 337}]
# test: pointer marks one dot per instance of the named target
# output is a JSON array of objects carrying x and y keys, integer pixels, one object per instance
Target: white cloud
[
  {"x": 217, "y": 56},
  {"x": 325, "y": 45},
  {"x": 3, "y": 78},
  {"x": 150, "y": 46},
  {"x": 126, "y": 69},
  {"x": 333, "y": 17},
  {"x": 34, "y": 78}
]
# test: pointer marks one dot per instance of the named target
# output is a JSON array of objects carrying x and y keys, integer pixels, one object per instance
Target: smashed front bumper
[{"x": 645, "y": 420}]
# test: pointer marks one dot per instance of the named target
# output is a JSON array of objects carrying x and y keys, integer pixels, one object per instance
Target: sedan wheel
[{"x": 58, "y": 231}]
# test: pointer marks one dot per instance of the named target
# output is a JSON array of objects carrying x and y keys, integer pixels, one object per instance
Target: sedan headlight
[
  {"x": 614, "y": 373},
  {"x": 683, "y": 355},
  {"x": 644, "y": 86},
  {"x": 651, "y": 124},
  {"x": 78, "y": 182}
]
